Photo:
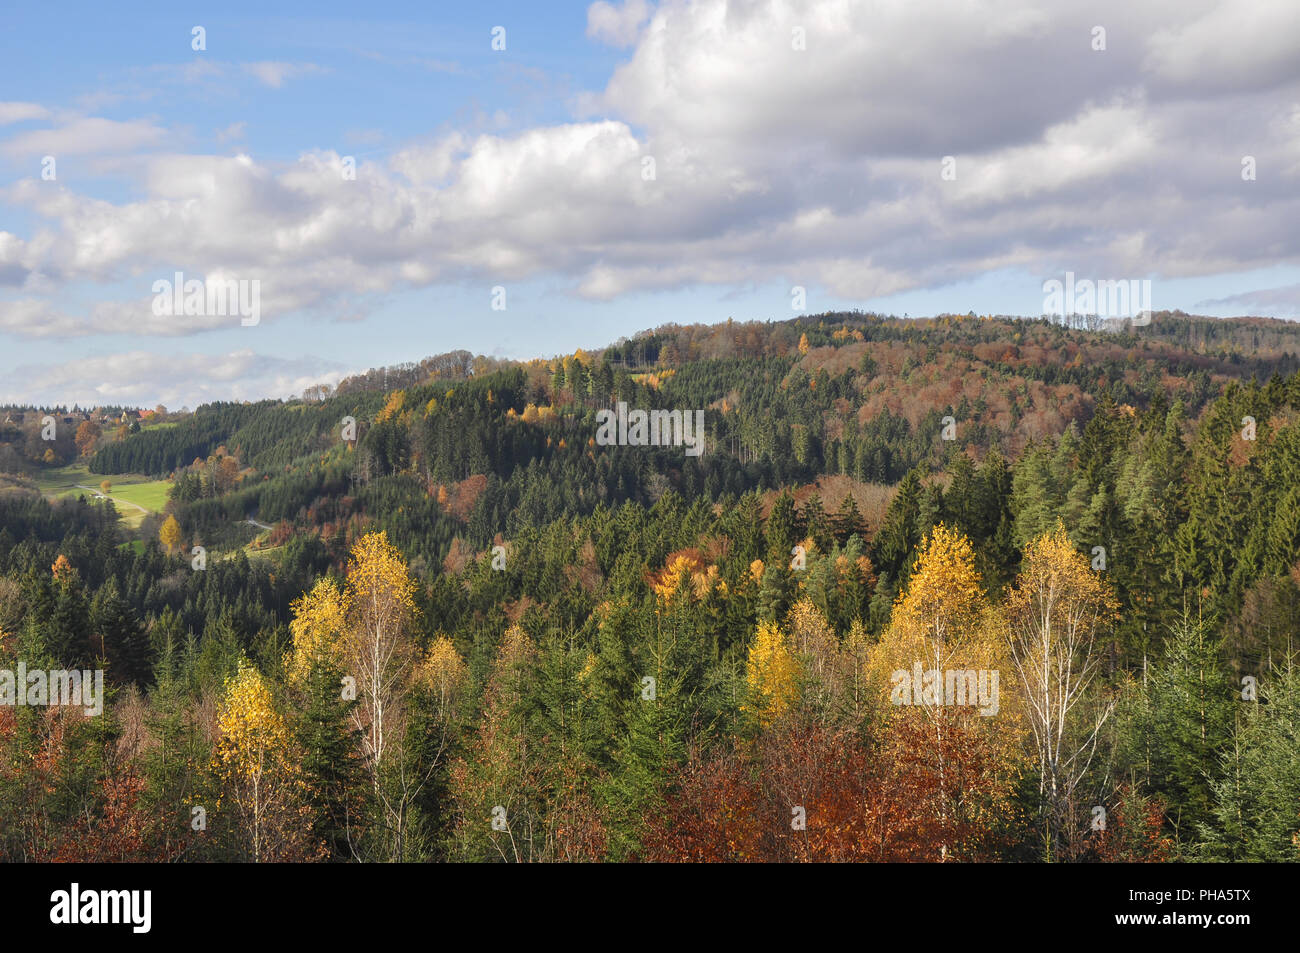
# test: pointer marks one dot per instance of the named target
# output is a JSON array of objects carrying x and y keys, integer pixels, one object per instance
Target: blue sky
[{"x": 776, "y": 164}]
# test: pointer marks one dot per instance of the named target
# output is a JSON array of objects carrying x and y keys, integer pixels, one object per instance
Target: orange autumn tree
[
  {"x": 1134, "y": 833},
  {"x": 125, "y": 830},
  {"x": 686, "y": 571},
  {"x": 807, "y": 791},
  {"x": 88, "y": 434},
  {"x": 825, "y": 796},
  {"x": 711, "y": 816},
  {"x": 63, "y": 571}
]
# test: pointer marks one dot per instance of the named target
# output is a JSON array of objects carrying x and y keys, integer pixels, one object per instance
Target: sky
[{"x": 397, "y": 180}]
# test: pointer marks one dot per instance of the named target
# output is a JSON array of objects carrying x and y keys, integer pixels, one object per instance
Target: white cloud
[
  {"x": 820, "y": 166},
  {"x": 145, "y": 378},
  {"x": 1277, "y": 302},
  {"x": 1228, "y": 45},
  {"x": 274, "y": 74},
  {"x": 35, "y": 318},
  {"x": 17, "y": 112},
  {"x": 617, "y": 24},
  {"x": 86, "y": 136}
]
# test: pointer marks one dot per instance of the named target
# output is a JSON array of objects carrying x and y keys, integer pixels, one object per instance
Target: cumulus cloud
[{"x": 743, "y": 143}]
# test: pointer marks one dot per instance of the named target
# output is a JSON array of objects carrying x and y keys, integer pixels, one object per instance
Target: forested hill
[
  {"x": 1132, "y": 438},
  {"x": 852, "y": 465}
]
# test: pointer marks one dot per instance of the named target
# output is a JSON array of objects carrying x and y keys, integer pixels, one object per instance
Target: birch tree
[
  {"x": 1055, "y": 612},
  {"x": 259, "y": 774},
  {"x": 378, "y": 650}
]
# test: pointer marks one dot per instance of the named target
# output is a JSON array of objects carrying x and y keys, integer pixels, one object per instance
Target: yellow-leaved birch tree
[
  {"x": 1054, "y": 614},
  {"x": 258, "y": 770},
  {"x": 378, "y": 650}
]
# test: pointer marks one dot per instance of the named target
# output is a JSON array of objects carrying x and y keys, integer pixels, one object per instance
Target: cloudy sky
[{"x": 613, "y": 167}]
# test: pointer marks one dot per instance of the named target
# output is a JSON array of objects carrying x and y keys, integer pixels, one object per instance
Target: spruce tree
[
  {"x": 334, "y": 782},
  {"x": 1183, "y": 724}
]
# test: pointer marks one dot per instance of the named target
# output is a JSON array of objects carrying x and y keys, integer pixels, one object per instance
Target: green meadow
[{"x": 134, "y": 495}]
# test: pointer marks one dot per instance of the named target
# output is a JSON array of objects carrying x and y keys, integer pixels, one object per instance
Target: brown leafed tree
[{"x": 87, "y": 436}]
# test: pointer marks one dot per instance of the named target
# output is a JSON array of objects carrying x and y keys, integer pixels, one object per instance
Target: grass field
[
  {"x": 132, "y": 493},
  {"x": 151, "y": 494}
]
